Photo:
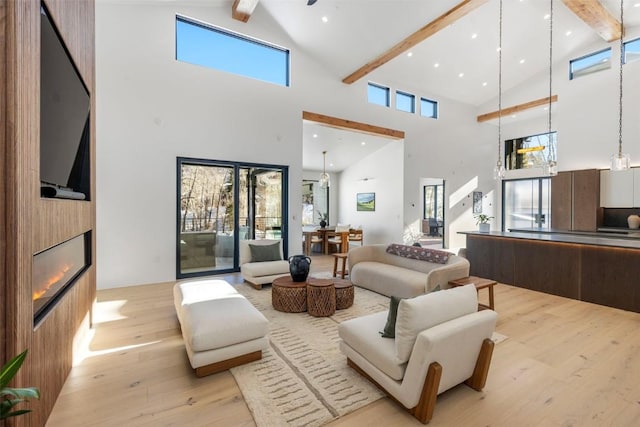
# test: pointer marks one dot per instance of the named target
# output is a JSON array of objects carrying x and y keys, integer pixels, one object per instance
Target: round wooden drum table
[
  {"x": 289, "y": 296},
  {"x": 321, "y": 297},
  {"x": 344, "y": 293}
]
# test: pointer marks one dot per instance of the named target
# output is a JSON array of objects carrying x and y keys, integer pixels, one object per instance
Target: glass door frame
[
  {"x": 540, "y": 180},
  {"x": 435, "y": 206},
  {"x": 237, "y": 167}
]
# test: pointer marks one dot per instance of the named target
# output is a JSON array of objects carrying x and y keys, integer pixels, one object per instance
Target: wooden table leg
[
  {"x": 335, "y": 266},
  {"x": 491, "y": 298}
]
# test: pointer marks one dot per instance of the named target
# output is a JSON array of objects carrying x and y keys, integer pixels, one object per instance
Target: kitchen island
[{"x": 596, "y": 267}]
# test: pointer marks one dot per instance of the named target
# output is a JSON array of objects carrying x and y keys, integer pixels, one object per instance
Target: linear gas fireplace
[{"x": 55, "y": 270}]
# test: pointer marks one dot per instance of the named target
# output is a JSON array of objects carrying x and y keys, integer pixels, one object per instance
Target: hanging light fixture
[
  {"x": 620, "y": 161},
  {"x": 551, "y": 167},
  {"x": 325, "y": 180},
  {"x": 498, "y": 171}
]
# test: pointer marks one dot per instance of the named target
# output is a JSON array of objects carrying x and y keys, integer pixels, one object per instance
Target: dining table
[{"x": 325, "y": 234}]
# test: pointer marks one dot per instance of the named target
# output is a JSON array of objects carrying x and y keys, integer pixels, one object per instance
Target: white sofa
[
  {"x": 220, "y": 327},
  {"x": 260, "y": 273},
  {"x": 371, "y": 267},
  {"x": 441, "y": 340}
]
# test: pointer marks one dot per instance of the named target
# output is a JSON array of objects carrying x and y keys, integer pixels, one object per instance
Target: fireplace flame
[{"x": 50, "y": 282}]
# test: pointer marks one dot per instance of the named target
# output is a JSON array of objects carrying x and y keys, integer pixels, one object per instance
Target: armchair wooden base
[{"x": 423, "y": 411}]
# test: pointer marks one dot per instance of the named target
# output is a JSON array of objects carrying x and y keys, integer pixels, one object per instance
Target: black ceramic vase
[
  {"x": 323, "y": 223},
  {"x": 299, "y": 267}
]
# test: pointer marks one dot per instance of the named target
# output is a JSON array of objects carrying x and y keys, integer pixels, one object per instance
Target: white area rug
[{"x": 303, "y": 378}]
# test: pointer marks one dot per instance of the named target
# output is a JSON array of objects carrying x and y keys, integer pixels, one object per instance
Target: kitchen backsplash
[{"x": 617, "y": 217}]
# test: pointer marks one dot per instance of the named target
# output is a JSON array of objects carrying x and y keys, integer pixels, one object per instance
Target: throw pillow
[
  {"x": 390, "y": 327},
  {"x": 415, "y": 252},
  {"x": 262, "y": 253}
]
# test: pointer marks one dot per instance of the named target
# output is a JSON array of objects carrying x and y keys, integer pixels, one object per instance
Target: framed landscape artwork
[{"x": 366, "y": 202}]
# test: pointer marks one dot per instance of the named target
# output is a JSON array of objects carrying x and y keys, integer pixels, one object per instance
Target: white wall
[
  {"x": 382, "y": 170},
  {"x": 152, "y": 108}
]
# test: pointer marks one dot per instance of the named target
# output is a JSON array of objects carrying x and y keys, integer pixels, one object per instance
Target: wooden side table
[
  {"x": 479, "y": 283},
  {"x": 342, "y": 256},
  {"x": 321, "y": 297},
  {"x": 289, "y": 296}
]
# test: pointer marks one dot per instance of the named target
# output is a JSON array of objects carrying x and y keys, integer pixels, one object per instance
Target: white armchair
[
  {"x": 441, "y": 340},
  {"x": 262, "y": 271}
]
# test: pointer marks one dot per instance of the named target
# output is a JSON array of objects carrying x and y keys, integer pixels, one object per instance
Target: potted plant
[
  {"x": 9, "y": 397},
  {"x": 482, "y": 221},
  {"x": 323, "y": 219}
]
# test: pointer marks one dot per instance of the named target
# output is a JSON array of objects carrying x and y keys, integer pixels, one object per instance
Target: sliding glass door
[{"x": 221, "y": 203}]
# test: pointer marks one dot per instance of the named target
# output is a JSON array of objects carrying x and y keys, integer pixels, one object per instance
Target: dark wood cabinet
[{"x": 575, "y": 200}]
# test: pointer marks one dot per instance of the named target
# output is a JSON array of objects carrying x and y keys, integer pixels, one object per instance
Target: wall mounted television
[{"x": 65, "y": 130}]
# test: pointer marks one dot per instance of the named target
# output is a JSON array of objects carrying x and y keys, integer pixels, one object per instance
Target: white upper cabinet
[{"x": 617, "y": 189}]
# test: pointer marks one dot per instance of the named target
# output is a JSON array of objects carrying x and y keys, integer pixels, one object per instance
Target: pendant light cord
[
  {"x": 550, "y": 74},
  {"x": 621, "y": 63},
  {"x": 499, "y": 163}
]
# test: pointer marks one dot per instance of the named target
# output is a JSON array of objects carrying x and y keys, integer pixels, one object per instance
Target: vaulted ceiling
[{"x": 458, "y": 60}]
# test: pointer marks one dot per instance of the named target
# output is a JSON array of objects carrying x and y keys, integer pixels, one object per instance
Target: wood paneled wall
[{"x": 31, "y": 224}]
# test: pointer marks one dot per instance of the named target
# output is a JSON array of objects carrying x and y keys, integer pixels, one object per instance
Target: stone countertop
[{"x": 575, "y": 237}]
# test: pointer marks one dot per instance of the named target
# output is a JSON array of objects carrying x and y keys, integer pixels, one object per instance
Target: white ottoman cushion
[{"x": 222, "y": 322}]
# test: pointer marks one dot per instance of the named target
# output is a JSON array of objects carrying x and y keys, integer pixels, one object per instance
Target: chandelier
[{"x": 325, "y": 180}]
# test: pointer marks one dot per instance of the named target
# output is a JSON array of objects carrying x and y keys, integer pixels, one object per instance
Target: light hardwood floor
[{"x": 565, "y": 363}]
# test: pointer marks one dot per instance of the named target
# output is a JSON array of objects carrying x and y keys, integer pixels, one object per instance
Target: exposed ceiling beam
[
  {"x": 422, "y": 34},
  {"x": 343, "y": 124},
  {"x": 597, "y": 17},
  {"x": 516, "y": 108},
  {"x": 242, "y": 9}
]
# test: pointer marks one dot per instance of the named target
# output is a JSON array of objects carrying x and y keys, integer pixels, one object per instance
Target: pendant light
[
  {"x": 498, "y": 171},
  {"x": 325, "y": 180},
  {"x": 551, "y": 167},
  {"x": 620, "y": 161}
]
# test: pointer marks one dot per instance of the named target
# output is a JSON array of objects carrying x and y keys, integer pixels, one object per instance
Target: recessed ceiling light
[
  {"x": 325, "y": 19},
  {"x": 363, "y": 143},
  {"x": 547, "y": 16},
  {"x": 513, "y": 116},
  {"x": 498, "y": 49},
  {"x": 636, "y": 5},
  {"x": 545, "y": 108},
  {"x": 522, "y": 61},
  {"x": 315, "y": 135},
  {"x": 568, "y": 33},
  {"x": 410, "y": 54},
  {"x": 330, "y": 165},
  {"x": 461, "y": 75},
  {"x": 436, "y": 65},
  {"x": 474, "y": 36},
  {"x": 484, "y": 83}
]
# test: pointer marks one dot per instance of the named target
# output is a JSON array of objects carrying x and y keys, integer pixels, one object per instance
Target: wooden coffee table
[
  {"x": 289, "y": 296},
  {"x": 321, "y": 297},
  {"x": 480, "y": 283},
  {"x": 344, "y": 293}
]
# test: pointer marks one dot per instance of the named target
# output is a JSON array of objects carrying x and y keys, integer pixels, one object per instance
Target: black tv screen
[{"x": 64, "y": 119}]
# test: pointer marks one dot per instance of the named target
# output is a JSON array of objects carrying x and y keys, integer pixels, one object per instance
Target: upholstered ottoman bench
[{"x": 220, "y": 327}]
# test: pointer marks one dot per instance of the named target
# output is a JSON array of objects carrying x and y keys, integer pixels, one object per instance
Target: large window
[
  {"x": 220, "y": 203},
  {"x": 378, "y": 94},
  {"x": 526, "y": 204},
  {"x": 213, "y": 47},
  {"x": 530, "y": 151},
  {"x": 315, "y": 203},
  {"x": 590, "y": 63}
]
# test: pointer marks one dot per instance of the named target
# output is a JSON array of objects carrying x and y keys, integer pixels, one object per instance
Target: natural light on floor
[{"x": 108, "y": 311}]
